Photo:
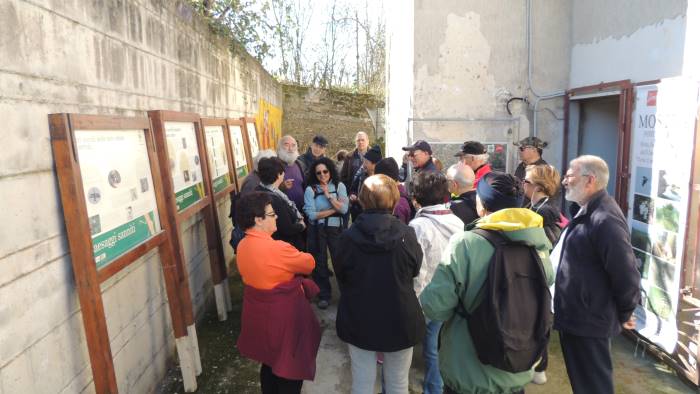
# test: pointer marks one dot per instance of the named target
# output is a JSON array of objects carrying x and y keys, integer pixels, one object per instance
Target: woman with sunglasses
[
  {"x": 540, "y": 184},
  {"x": 325, "y": 204}
]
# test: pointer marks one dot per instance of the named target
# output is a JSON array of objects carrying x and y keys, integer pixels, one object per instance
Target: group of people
[{"x": 412, "y": 262}]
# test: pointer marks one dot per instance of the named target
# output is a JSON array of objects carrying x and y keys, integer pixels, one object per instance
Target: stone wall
[
  {"x": 335, "y": 114},
  {"x": 119, "y": 57}
]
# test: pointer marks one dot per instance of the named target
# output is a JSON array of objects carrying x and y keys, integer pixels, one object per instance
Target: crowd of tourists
[{"x": 476, "y": 265}]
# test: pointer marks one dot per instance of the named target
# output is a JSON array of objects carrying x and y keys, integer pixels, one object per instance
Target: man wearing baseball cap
[
  {"x": 530, "y": 154},
  {"x": 315, "y": 151},
  {"x": 474, "y": 155},
  {"x": 421, "y": 156}
]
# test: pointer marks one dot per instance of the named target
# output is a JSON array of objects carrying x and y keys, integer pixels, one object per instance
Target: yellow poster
[{"x": 269, "y": 124}]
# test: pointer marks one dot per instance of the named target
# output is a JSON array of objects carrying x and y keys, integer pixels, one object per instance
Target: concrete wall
[
  {"x": 335, "y": 114},
  {"x": 113, "y": 57},
  {"x": 628, "y": 39},
  {"x": 470, "y": 58}
]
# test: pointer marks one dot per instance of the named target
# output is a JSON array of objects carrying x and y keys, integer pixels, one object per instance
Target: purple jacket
[
  {"x": 279, "y": 328},
  {"x": 402, "y": 210}
]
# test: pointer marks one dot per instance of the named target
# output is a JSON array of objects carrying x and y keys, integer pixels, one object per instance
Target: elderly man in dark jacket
[
  {"x": 354, "y": 160},
  {"x": 597, "y": 285}
]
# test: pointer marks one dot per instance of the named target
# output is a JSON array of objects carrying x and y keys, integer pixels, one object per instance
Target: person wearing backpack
[
  {"x": 474, "y": 356},
  {"x": 403, "y": 210},
  {"x": 434, "y": 224}
]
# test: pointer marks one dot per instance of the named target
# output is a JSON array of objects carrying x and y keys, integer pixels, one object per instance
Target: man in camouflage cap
[{"x": 530, "y": 154}]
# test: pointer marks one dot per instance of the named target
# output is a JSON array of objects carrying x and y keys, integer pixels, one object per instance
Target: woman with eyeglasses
[
  {"x": 325, "y": 204},
  {"x": 541, "y": 184},
  {"x": 278, "y": 326}
]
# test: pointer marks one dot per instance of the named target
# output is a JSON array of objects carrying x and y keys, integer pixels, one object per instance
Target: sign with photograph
[
  {"x": 218, "y": 161},
  {"x": 662, "y": 138},
  {"x": 252, "y": 138},
  {"x": 184, "y": 162},
  {"x": 121, "y": 202},
  {"x": 239, "y": 158}
]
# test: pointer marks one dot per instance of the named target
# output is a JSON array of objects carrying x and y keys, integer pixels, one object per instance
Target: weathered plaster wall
[
  {"x": 627, "y": 39},
  {"x": 107, "y": 57},
  {"x": 335, "y": 114},
  {"x": 471, "y": 57}
]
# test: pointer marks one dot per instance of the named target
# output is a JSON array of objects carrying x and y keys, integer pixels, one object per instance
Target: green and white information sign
[
  {"x": 184, "y": 161},
  {"x": 252, "y": 139},
  {"x": 240, "y": 161},
  {"x": 121, "y": 202},
  {"x": 218, "y": 162}
]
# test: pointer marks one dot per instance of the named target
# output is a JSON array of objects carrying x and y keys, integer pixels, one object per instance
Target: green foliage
[{"x": 241, "y": 21}]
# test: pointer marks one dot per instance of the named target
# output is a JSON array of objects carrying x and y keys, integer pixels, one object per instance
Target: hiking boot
[
  {"x": 322, "y": 304},
  {"x": 539, "y": 378}
]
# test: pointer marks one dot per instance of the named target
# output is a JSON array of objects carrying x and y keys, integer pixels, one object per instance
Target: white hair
[
  {"x": 263, "y": 154},
  {"x": 595, "y": 166},
  {"x": 462, "y": 175}
]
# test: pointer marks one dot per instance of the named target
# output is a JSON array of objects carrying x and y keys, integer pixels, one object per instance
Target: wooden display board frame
[
  {"x": 246, "y": 148},
  {"x": 159, "y": 118},
  {"x": 87, "y": 276}
]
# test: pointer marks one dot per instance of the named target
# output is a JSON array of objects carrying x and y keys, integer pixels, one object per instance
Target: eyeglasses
[
  {"x": 569, "y": 176},
  {"x": 522, "y": 148},
  {"x": 271, "y": 214},
  {"x": 322, "y": 172}
]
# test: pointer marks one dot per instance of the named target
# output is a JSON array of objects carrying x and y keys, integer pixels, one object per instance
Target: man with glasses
[
  {"x": 353, "y": 162},
  {"x": 597, "y": 282},
  {"x": 421, "y": 156},
  {"x": 474, "y": 155},
  {"x": 530, "y": 150}
]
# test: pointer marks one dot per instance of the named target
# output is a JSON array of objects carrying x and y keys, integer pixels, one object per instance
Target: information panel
[
  {"x": 121, "y": 202},
  {"x": 240, "y": 161},
  {"x": 185, "y": 167},
  {"x": 218, "y": 161},
  {"x": 252, "y": 138},
  {"x": 662, "y": 149}
]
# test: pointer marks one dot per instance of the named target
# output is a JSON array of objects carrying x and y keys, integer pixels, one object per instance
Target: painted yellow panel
[{"x": 269, "y": 124}]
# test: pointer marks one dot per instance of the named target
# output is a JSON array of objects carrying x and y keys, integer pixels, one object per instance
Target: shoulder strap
[{"x": 495, "y": 238}]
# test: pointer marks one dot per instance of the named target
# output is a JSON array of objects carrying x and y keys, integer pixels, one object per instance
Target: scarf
[{"x": 284, "y": 197}]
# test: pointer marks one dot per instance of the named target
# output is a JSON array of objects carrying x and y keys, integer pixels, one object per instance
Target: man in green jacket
[{"x": 462, "y": 272}]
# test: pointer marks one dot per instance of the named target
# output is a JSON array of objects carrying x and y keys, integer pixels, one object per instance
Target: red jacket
[
  {"x": 279, "y": 328},
  {"x": 480, "y": 172}
]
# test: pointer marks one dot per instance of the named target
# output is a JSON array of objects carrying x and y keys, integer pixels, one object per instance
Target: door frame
[{"x": 624, "y": 89}]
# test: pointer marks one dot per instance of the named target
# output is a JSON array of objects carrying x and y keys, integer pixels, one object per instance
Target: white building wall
[
  {"x": 113, "y": 58},
  {"x": 616, "y": 40},
  {"x": 399, "y": 74}
]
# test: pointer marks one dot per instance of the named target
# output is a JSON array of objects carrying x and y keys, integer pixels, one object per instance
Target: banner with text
[
  {"x": 121, "y": 202},
  {"x": 662, "y": 149}
]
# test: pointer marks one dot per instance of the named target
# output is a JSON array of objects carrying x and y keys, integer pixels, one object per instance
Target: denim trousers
[
  {"x": 432, "y": 384},
  {"x": 364, "y": 370},
  {"x": 320, "y": 240}
]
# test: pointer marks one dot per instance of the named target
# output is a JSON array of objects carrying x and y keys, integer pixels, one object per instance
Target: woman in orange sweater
[{"x": 278, "y": 327}]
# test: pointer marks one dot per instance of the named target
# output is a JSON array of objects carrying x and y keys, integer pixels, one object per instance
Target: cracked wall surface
[{"x": 116, "y": 57}]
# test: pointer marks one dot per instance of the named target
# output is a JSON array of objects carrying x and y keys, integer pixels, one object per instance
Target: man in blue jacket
[{"x": 597, "y": 283}]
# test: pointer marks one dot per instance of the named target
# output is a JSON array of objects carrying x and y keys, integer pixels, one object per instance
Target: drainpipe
[{"x": 538, "y": 96}]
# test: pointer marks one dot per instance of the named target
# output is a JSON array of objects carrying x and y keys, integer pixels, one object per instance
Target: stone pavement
[{"x": 225, "y": 371}]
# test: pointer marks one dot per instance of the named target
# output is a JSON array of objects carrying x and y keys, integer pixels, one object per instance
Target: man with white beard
[{"x": 293, "y": 185}]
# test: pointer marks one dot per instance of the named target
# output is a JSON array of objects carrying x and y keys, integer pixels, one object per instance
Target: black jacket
[
  {"x": 289, "y": 228},
  {"x": 464, "y": 207},
  {"x": 351, "y": 164},
  {"x": 305, "y": 161},
  {"x": 597, "y": 284},
  {"x": 378, "y": 257},
  {"x": 551, "y": 216}
]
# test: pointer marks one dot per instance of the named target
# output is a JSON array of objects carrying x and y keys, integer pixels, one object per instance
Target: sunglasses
[
  {"x": 522, "y": 148},
  {"x": 322, "y": 172}
]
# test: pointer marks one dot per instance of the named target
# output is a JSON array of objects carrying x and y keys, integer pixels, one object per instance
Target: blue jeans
[
  {"x": 432, "y": 384},
  {"x": 320, "y": 239}
]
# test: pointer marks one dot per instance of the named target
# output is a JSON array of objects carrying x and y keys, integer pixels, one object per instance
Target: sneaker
[
  {"x": 322, "y": 304},
  {"x": 539, "y": 378}
]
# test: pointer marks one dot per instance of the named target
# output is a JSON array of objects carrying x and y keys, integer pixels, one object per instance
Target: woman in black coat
[
  {"x": 378, "y": 311},
  {"x": 290, "y": 222}
]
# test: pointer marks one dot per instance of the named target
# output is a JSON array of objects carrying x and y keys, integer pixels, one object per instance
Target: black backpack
[{"x": 510, "y": 328}]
